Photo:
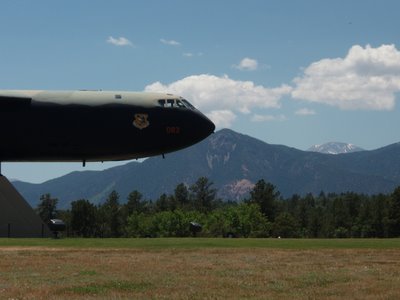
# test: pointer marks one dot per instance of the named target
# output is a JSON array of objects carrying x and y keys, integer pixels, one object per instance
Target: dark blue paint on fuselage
[{"x": 45, "y": 131}]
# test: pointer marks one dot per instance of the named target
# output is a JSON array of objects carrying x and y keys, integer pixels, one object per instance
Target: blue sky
[{"x": 296, "y": 73}]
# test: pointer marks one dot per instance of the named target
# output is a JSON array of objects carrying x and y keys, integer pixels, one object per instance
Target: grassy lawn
[
  {"x": 199, "y": 268},
  {"x": 193, "y": 243}
]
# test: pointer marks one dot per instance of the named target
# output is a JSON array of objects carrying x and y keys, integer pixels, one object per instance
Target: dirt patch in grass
[{"x": 48, "y": 273}]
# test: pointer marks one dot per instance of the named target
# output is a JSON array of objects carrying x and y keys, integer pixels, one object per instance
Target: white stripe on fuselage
[{"x": 91, "y": 98}]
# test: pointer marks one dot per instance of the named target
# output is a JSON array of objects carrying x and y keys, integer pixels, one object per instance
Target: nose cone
[
  {"x": 209, "y": 126},
  {"x": 191, "y": 127},
  {"x": 205, "y": 127}
]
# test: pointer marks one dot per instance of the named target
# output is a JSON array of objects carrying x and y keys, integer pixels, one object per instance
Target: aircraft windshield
[
  {"x": 180, "y": 103},
  {"x": 187, "y": 104}
]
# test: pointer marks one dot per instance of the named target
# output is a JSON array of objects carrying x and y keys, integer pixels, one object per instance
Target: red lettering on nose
[{"x": 173, "y": 130}]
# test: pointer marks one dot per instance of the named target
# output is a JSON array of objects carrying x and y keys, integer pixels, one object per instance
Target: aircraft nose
[
  {"x": 207, "y": 126},
  {"x": 200, "y": 127},
  {"x": 211, "y": 126}
]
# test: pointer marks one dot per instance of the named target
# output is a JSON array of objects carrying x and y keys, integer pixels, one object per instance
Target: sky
[{"x": 295, "y": 73}]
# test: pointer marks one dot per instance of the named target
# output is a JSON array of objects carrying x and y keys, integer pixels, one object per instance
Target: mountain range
[
  {"x": 335, "y": 148},
  {"x": 234, "y": 163}
]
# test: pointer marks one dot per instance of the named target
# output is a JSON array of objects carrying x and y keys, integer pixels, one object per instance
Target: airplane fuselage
[{"x": 96, "y": 125}]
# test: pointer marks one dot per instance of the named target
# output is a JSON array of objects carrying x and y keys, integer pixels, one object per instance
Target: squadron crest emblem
[{"x": 141, "y": 121}]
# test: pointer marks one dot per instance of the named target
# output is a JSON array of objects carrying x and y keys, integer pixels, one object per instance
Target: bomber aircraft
[{"x": 87, "y": 125}]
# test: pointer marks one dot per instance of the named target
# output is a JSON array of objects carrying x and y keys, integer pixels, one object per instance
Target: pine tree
[
  {"x": 181, "y": 195},
  {"x": 83, "y": 218},
  {"x": 134, "y": 203},
  {"x": 203, "y": 195},
  {"x": 112, "y": 214},
  {"x": 265, "y": 195},
  {"x": 47, "y": 208},
  {"x": 394, "y": 213}
]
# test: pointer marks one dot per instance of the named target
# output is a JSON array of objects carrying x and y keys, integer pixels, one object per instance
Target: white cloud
[
  {"x": 121, "y": 41},
  {"x": 268, "y": 118},
  {"x": 247, "y": 64},
  {"x": 222, "y": 118},
  {"x": 367, "y": 78},
  {"x": 305, "y": 112},
  {"x": 190, "y": 54},
  {"x": 170, "y": 42},
  {"x": 212, "y": 93}
]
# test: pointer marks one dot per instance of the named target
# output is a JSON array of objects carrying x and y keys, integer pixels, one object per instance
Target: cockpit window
[
  {"x": 187, "y": 104},
  {"x": 170, "y": 102},
  {"x": 167, "y": 102},
  {"x": 179, "y": 103},
  {"x": 161, "y": 102}
]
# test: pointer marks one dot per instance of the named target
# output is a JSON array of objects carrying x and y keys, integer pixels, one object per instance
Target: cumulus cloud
[
  {"x": 222, "y": 118},
  {"x": 247, "y": 64},
  {"x": 190, "y": 54},
  {"x": 267, "y": 118},
  {"x": 121, "y": 41},
  {"x": 366, "y": 78},
  {"x": 221, "y": 94},
  {"x": 170, "y": 42},
  {"x": 305, "y": 112}
]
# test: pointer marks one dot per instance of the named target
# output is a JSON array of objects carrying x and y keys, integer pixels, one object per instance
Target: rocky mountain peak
[
  {"x": 335, "y": 148},
  {"x": 221, "y": 147}
]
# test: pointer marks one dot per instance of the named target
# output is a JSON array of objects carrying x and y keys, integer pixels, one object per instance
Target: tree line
[{"x": 264, "y": 213}]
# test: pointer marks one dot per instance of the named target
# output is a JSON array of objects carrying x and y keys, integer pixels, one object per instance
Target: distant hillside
[
  {"x": 234, "y": 162},
  {"x": 335, "y": 148}
]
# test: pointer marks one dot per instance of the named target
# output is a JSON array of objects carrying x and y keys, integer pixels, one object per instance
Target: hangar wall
[{"x": 17, "y": 218}]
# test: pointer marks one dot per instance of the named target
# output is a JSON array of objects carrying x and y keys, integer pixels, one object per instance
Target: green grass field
[
  {"x": 190, "y": 243},
  {"x": 199, "y": 268}
]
